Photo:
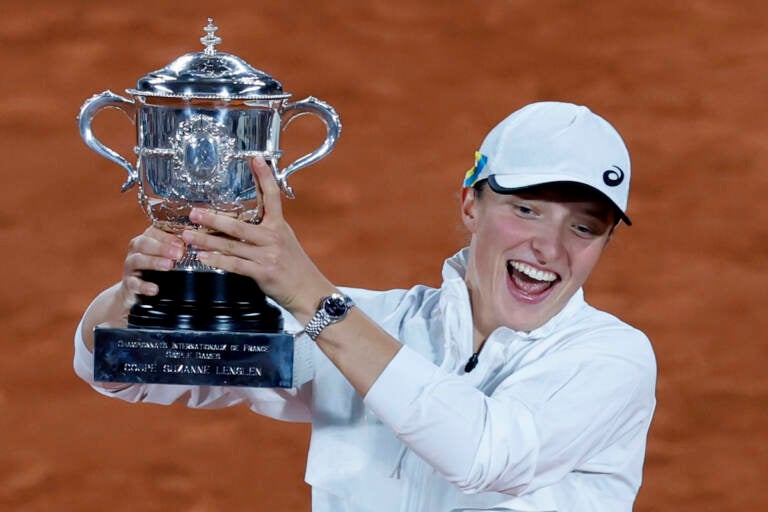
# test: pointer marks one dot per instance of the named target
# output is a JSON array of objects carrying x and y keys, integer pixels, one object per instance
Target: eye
[
  {"x": 584, "y": 230},
  {"x": 590, "y": 229},
  {"x": 524, "y": 210}
]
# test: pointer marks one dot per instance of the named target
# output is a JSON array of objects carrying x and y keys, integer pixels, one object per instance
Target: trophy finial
[{"x": 211, "y": 39}]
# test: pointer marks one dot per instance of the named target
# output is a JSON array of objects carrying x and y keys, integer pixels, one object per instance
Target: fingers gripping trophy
[{"x": 199, "y": 121}]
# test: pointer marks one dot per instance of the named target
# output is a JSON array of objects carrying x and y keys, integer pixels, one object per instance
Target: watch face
[{"x": 336, "y": 306}]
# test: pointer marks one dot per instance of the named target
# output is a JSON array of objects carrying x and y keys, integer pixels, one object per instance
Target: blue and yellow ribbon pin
[{"x": 471, "y": 176}]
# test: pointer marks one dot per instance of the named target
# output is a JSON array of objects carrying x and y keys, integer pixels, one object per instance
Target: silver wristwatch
[{"x": 332, "y": 309}]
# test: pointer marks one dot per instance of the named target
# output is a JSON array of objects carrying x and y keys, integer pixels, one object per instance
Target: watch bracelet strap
[
  {"x": 315, "y": 326},
  {"x": 303, "y": 361}
]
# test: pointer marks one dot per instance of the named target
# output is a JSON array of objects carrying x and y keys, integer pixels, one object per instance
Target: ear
[
  {"x": 610, "y": 236},
  {"x": 469, "y": 206}
]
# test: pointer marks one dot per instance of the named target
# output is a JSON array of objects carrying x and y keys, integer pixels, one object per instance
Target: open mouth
[{"x": 529, "y": 280}]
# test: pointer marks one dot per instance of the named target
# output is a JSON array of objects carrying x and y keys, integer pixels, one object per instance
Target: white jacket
[{"x": 551, "y": 420}]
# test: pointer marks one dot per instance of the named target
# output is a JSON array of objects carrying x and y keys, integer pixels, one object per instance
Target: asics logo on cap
[{"x": 613, "y": 177}]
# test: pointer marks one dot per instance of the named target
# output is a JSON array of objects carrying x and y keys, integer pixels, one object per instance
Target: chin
[
  {"x": 525, "y": 325},
  {"x": 527, "y": 316}
]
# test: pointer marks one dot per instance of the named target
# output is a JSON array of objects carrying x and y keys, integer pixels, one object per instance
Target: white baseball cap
[{"x": 550, "y": 142}]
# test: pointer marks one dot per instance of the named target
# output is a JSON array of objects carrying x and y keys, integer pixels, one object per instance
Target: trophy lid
[{"x": 209, "y": 75}]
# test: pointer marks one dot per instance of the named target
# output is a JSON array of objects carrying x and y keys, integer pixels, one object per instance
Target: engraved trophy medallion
[{"x": 199, "y": 120}]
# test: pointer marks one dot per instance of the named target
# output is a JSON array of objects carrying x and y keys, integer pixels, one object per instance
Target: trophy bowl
[{"x": 199, "y": 121}]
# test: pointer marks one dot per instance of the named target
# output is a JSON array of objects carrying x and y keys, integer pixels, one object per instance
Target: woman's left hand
[{"x": 268, "y": 252}]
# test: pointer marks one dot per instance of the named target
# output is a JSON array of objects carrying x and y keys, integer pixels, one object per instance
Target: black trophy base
[
  {"x": 203, "y": 328},
  {"x": 188, "y": 357},
  {"x": 204, "y": 301}
]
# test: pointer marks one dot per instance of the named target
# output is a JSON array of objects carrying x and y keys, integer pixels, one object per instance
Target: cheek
[
  {"x": 586, "y": 261},
  {"x": 489, "y": 247},
  {"x": 489, "y": 240},
  {"x": 501, "y": 229}
]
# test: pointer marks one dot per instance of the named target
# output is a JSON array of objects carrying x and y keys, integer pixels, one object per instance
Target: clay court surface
[{"x": 417, "y": 84}]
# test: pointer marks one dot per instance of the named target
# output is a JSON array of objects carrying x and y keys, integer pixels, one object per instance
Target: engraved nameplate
[{"x": 194, "y": 357}]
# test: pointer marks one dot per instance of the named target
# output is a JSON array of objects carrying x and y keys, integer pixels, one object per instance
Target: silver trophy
[{"x": 199, "y": 121}]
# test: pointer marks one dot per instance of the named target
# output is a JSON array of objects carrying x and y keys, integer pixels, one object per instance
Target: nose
[{"x": 547, "y": 244}]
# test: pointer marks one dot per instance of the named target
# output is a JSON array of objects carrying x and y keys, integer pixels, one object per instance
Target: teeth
[{"x": 539, "y": 275}]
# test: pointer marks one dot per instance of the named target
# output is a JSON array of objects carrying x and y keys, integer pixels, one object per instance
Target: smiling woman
[
  {"x": 552, "y": 414},
  {"x": 530, "y": 252},
  {"x": 541, "y": 204}
]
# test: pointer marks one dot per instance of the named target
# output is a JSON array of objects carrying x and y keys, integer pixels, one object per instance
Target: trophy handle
[
  {"x": 88, "y": 111},
  {"x": 330, "y": 118}
]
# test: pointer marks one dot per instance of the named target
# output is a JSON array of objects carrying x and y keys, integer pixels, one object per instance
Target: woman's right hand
[{"x": 154, "y": 249}]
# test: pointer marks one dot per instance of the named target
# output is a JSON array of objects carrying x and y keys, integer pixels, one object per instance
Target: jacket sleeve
[
  {"x": 282, "y": 404},
  {"x": 554, "y": 416}
]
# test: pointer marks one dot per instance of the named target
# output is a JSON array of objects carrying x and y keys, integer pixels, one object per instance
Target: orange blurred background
[{"x": 417, "y": 85}]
